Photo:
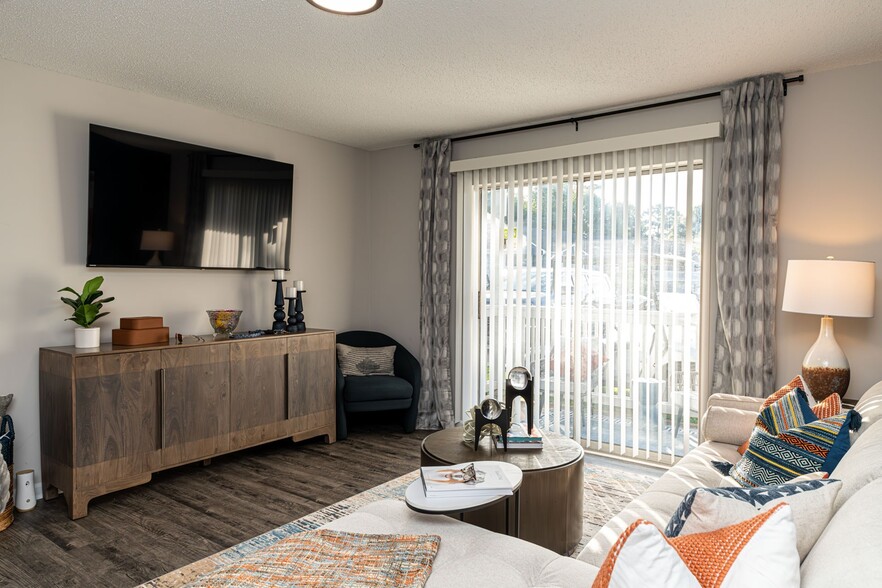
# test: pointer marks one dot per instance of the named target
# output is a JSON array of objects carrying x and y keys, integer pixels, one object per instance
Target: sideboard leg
[
  {"x": 50, "y": 492},
  {"x": 77, "y": 506}
]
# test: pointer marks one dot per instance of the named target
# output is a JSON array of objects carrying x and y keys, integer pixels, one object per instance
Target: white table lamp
[{"x": 828, "y": 287}]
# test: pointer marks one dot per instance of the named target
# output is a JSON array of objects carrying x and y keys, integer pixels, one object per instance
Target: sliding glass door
[{"x": 589, "y": 272}]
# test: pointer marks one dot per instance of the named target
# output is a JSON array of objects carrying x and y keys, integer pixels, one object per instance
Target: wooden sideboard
[{"x": 111, "y": 416}]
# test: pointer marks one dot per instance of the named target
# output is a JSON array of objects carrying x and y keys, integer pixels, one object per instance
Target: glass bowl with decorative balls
[{"x": 223, "y": 322}]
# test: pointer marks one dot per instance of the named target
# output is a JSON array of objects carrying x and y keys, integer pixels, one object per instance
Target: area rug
[{"x": 607, "y": 490}]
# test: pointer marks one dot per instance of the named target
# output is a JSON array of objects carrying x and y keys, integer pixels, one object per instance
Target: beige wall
[
  {"x": 44, "y": 119},
  {"x": 831, "y": 204},
  {"x": 394, "y": 217}
]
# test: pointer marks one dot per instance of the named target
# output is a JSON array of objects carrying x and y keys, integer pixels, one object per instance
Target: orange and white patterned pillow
[
  {"x": 828, "y": 407},
  {"x": 757, "y": 552}
]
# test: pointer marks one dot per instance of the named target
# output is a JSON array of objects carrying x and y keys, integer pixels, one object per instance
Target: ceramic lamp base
[
  {"x": 824, "y": 381},
  {"x": 825, "y": 368}
]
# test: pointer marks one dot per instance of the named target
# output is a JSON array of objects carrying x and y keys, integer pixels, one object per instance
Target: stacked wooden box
[{"x": 140, "y": 330}]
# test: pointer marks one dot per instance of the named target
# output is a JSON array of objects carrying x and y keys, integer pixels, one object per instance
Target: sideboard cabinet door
[
  {"x": 312, "y": 377},
  {"x": 195, "y": 399},
  {"x": 117, "y": 420},
  {"x": 259, "y": 392}
]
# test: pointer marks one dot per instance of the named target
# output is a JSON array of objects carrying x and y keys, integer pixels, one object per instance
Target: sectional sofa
[{"x": 847, "y": 552}]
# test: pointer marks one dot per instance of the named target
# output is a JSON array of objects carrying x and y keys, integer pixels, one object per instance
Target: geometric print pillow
[
  {"x": 366, "y": 361},
  {"x": 789, "y": 411},
  {"x": 777, "y": 405},
  {"x": 708, "y": 509},
  {"x": 760, "y": 551},
  {"x": 814, "y": 447}
]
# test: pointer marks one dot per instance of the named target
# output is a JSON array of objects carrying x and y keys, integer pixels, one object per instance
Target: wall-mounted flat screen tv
[{"x": 160, "y": 203}]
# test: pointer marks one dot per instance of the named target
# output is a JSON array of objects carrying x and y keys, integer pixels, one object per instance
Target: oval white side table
[{"x": 415, "y": 497}]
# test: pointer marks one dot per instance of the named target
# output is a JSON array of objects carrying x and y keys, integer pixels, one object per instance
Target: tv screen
[{"x": 160, "y": 203}]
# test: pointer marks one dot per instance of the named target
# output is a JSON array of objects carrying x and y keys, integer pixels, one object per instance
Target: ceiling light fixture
[{"x": 351, "y": 7}]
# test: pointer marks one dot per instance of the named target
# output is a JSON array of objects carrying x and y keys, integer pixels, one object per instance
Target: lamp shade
[{"x": 830, "y": 287}]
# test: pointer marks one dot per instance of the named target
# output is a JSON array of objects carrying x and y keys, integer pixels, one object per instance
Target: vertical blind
[{"x": 587, "y": 271}]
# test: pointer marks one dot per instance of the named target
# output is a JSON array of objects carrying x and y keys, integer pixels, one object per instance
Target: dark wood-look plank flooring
[{"x": 189, "y": 512}]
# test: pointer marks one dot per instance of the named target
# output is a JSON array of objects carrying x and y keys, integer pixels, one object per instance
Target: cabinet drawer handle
[
  {"x": 161, "y": 408},
  {"x": 287, "y": 386}
]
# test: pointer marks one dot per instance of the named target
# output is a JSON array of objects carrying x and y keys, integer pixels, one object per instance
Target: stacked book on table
[
  {"x": 519, "y": 438},
  {"x": 465, "y": 479}
]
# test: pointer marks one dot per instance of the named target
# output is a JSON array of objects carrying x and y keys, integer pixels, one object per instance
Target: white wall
[
  {"x": 831, "y": 204},
  {"x": 44, "y": 120}
]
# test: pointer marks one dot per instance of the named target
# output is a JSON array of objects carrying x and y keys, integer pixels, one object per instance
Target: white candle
[
  {"x": 279, "y": 274},
  {"x": 291, "y": 293},
  {"x": 299, "y": 285}
]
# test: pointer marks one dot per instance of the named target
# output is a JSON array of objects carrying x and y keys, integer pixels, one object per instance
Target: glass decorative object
[{"x": 223, "y": 322}]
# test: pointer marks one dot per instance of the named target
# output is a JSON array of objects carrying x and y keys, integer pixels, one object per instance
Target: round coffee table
[
  {"x": 415, "y": 497},
  {"x": 551, "y": 492}
]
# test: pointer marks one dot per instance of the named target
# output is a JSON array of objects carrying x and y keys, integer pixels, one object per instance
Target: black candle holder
[
  {"x": 279, "y": 314},
  {"x": 292, "y": 322},
  {"x": 298, "y": 312}
]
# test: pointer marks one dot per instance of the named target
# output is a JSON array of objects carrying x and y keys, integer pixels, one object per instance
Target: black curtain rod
[{"x": 576, "y": 120}]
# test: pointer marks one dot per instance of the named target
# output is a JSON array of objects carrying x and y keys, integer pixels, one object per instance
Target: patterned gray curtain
[
  {"x": 747, "y": 238},
  {"x": 436, "y": 235}
]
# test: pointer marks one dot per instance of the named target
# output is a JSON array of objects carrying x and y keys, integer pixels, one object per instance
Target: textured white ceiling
[{"x": 419, "y": 68}]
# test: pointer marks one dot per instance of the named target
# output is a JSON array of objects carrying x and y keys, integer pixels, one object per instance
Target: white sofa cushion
[
  {"x": 728, "y": 425},
  {"x": 870, "y": 407},
  {"x": 660, "y": 500},
  {"x": 847, "y": 552},
  {"x": 860, "y": 465},
  {"x": 467, "y": 550}
]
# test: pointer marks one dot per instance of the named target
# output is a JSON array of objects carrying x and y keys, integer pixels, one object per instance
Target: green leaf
[
  {"x": 71, "y": 290},
  {"x": 70, "y": 302},
  {"x": 85, "y": 315},
  {"x": 99, "y": 315},
  {"x": 91, "y": 287}
]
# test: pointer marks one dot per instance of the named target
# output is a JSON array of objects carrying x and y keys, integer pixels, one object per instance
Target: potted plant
[{"x": 86, "y": 310}]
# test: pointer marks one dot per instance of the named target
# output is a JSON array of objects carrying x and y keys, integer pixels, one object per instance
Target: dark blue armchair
[{"x": 400, "y": 392}]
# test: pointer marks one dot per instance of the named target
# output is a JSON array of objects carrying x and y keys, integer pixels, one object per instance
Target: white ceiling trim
[{"x": 709, "y": 130}]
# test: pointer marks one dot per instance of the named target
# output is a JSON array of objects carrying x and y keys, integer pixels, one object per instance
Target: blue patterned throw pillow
[
  {"x": 813, "y": 447},
  {"x": 789, "y": 411}
]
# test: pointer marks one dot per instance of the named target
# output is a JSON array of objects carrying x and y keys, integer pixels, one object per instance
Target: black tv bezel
[{"x": 90, "y": 227}]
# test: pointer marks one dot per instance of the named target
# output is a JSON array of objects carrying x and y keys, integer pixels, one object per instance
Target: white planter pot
[{"x": 85, "y": 338}]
